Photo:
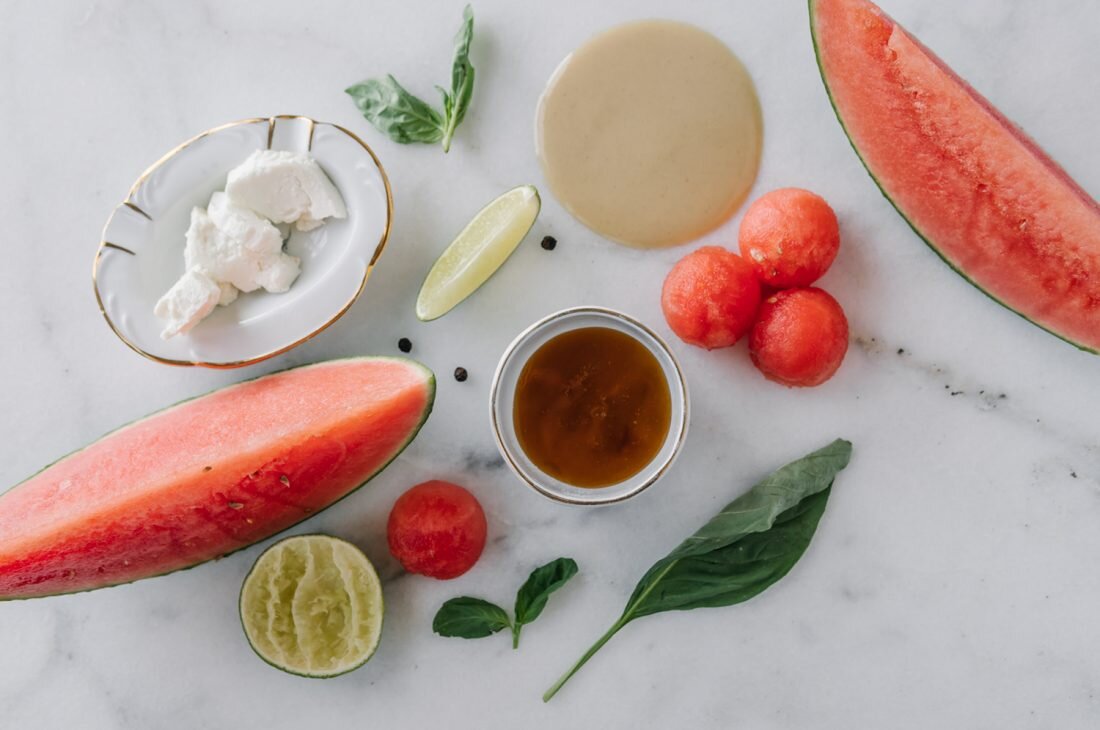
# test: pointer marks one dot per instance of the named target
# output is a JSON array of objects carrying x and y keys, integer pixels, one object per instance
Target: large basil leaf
[
  {"x": 747, "y": 546},
  {"x": 743, "y": 550}
]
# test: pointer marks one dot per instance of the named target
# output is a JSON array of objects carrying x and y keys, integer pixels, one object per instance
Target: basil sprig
[
  {"x": 743, "y": 550},
  {"x": 405, "y": 118},
  {"x": 474, "y": 618}
]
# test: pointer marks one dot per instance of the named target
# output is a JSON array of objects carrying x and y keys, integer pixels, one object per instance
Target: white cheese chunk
[
  {"x": 243, "y": 262},
  {"x": 278, "y": 273},
  {"x": 256, "y": 234},
  {"x": 286, "y": 187},
  {"x": 188, "y": 301}
]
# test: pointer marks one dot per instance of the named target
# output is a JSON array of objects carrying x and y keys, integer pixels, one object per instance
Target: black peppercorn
[
  {"x": 461, "y": 375},
  {"x": 549, "y": 243},
  {"x": 405, "y": 344}
]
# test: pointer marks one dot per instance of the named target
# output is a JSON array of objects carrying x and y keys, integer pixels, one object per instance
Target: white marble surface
[{"x": 953, "y": 582}]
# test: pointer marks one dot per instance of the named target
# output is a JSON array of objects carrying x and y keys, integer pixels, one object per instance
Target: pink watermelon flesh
[
  {"x": 972, "y": 184},
  {"x": 208, "y": 476}
]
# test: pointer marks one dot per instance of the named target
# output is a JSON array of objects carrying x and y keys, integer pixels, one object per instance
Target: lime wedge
[
  {"x": 312, "y": 605},
  {"x": 481, "y": 248}
]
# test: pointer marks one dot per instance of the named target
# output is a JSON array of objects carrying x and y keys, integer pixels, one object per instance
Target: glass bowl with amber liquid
[{"x": 589, "y": 406}]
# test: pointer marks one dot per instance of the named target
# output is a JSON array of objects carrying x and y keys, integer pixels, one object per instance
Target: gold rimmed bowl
[{"x": 140, "y": 254}]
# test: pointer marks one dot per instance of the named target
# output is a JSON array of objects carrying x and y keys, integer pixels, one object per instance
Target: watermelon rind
[
  {"x": 430, "y": 383},
  {"x": 840, "y": 118}
]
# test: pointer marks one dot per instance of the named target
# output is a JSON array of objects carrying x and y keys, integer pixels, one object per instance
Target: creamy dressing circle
[{"x": 650, "y": 133}]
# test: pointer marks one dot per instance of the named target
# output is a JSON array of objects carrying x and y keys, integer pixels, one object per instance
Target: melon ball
[
  {"x": 710, "y": 297},
  {"x": 437, "y": 529},
  {"x": 800, "y": 338},
  {"x": 790, "y": 236}
]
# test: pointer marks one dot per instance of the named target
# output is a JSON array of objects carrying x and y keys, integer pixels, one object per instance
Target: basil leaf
[
  {"x": 535, "y": 592},
  {"x": 743, "y": 550},
  {"x": 753, "y": 539},
  {"x": 469, "y": 618},
  {"x": 457, "y": 100},
  {"x": 730, "y": 574},
  {"x": 397, "y": 113},
  {"x": 406, "y": 118}
]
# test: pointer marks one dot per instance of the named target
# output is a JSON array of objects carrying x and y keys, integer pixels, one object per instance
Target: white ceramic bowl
[
  {"x": 502, "y": 403},
  {"x": 141, "y": 253}
]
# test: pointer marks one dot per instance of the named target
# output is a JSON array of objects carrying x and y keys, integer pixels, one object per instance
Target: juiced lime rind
[
  {"x": 296, "y": 585},
  {"x": 478, "y": 251},
  {"x": 430, "y": 383}
]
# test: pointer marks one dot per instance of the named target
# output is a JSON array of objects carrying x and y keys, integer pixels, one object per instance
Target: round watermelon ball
[
  {"x": 790, "y": 236},
  {"x": 437, "y": 529},
  {"x": 800, "y": 338},
  {"x": 710, "y": 297}
]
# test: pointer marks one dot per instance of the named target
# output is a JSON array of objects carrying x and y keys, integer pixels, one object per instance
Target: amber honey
[{"x": 592, "y": 407}]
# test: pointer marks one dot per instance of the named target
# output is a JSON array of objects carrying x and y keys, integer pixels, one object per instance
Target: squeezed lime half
[
  {"x": 475, "y": 255},
  {"x": 312, "y": 605}
]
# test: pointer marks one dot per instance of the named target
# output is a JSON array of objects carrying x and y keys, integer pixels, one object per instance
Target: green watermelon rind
[
  {"x": 430, "y": 384},
  {"x": 280, "y": 667},
  {"x": 898, "y": 208}
]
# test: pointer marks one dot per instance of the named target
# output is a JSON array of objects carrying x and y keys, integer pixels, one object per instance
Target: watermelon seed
[
  {"x": 284, "y": 480},
  {"x": 207, "y": 468},
  {"x": 235, "y": 505}
]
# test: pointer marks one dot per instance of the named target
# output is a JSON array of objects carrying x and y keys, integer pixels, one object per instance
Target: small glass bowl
[{"x": 502, "y": 403}]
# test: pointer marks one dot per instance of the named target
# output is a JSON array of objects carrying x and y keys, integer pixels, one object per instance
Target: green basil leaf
[
  {"x": 462, "y": 95},
  {"x": 469, "y": 618},
  {"x": 396, "y": 113},
  {"x": 535, "y": 592},
  {"x": 730, "y": 574},
  {"x": 751, "y": 543},
  {"x": 448, "y": 101},
  {"x": 457, "y": 100},
  {"x": 743, "y": 550},
  {"x": 462, "y": 71}
]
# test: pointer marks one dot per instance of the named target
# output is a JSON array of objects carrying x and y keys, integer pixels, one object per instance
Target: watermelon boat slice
[
  {"x": 977, "y": 189},
  {"x": 208, "y": 476}
]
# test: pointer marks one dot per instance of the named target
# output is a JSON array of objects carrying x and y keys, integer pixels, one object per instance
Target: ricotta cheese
[
  {"x": 234, "y": 245},
  {"x": 188, "y": 301},
  {"x": 286, "y": 187}
]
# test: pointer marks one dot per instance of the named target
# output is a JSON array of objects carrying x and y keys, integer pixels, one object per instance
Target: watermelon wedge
[
  {"x": 977, "y": 189},
  {"x": 208, "y": 476}
]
